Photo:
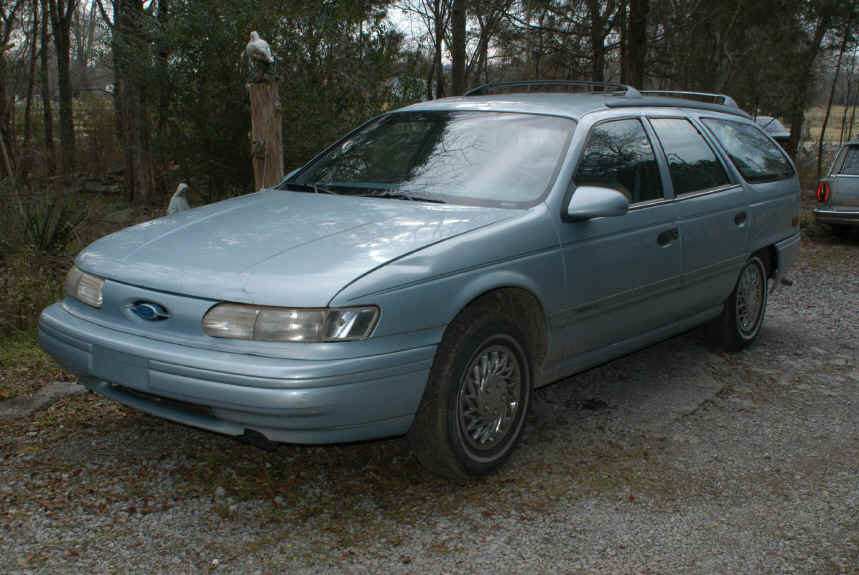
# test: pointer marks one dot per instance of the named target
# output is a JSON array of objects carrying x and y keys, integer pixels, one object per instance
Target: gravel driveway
[{"x": 676, "y": 459}]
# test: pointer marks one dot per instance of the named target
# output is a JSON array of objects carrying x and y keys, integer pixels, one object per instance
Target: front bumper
[
  {"x": 287, "y": 400},
  {"x": 837, "y": 216}
]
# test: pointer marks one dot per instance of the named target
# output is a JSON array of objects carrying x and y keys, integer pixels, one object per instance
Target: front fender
[{"x": 425, "y": 290}]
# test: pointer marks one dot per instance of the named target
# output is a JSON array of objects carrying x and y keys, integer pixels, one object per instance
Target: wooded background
[{"x": 153, "y": 92}]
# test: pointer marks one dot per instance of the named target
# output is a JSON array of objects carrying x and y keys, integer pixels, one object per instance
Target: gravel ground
[{"x": 676, "y": 459}]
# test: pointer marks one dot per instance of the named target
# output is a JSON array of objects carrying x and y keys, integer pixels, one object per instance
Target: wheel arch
[
  {"x": 527, "y": 310},
  {"x": 769, "y": 256}
]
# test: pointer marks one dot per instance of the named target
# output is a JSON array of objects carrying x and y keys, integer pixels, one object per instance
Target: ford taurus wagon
[
  {"x": 838, "y": 192},
  {"x": 423, "y": 275}
]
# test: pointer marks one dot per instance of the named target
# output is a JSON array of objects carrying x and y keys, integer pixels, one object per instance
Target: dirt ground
[{"x": 677, "y": 459}]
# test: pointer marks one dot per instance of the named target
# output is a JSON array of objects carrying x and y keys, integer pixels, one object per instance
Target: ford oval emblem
[{"x": 150, "y": 311}]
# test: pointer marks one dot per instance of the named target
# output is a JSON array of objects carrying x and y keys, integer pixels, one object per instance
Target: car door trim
[
  {"x": 616, "y": 301},
  {"x": 653, "y": 290},
  {"x": 707, "y": 192}
]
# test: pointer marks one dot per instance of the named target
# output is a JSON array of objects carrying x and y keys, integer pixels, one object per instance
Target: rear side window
[
  {"x": 756, "y": 157},
  {"x": 850, "y": 165},
  {"x": 619, "y": 156},
  {"x": 693, "y": 165}
]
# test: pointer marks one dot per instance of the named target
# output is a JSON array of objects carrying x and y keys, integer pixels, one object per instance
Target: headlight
[
  {"x": 239, "y": 321},
  {"x": 84, "y": 287}
]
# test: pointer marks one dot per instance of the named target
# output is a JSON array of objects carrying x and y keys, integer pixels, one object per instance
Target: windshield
[{"x": 478, "y": 158}]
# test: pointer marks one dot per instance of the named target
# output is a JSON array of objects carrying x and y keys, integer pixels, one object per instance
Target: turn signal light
[{"x": 822, "y": 192}]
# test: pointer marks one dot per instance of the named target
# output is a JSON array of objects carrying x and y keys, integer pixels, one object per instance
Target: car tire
[
  {"x": 479, "y": 390},
  {"x": 840, "y": 230},
  {"x": 743, "y": 314}
]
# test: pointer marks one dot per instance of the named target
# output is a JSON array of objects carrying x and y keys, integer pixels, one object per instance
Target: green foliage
[
  {"x": 338, "y": 64},
  {"x": 50, "y": 222}
]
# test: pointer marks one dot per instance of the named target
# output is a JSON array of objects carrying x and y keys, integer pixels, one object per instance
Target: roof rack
[
  {"x": 722, "y": 99},
  {"x": 606, "y": 86}
]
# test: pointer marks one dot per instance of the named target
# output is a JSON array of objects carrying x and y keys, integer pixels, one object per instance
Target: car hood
[{"x": 277, "y": 247}]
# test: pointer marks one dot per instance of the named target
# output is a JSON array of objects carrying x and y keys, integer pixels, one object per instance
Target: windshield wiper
[
  {"x": 370, "y": 192},
  {"x": 392, "y": 195},
  {"x": 315, "y": 187}
]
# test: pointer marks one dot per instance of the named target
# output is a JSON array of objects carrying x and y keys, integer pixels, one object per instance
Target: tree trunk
[
  {"x": 636, "y": 43},
  {"x": 61, "y": 18},
  {"x": 266, "y": 134},
  {"x": 27, "y": 153},
  {"x": 853, "y": 117},
  {"x": 597, "y": 41},
  {"x": 4, "y": 110},
  {"x": 438, "y": 15},
  {"x": 130, "y": 52},
  {"x": 458, "y": 48},
  {"x": 6, "y": 44},
  {"x": 848, "y": 97},
  {"x": 483, "y": 52},
  {"x": 45, "y": 86},
  {"x": 829, "y": 104},
  {"x": 803, "y": 80},
  {"x": 164, "y": 93}
]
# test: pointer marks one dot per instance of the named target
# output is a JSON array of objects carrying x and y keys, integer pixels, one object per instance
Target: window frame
[
  {"x": 730, "y": 161},
  {"x": 715, "y": 149},
  {"x": 524, "y": 205},
  {"x": 667, "y": 195},
  {"x": 842, "y": 159}
]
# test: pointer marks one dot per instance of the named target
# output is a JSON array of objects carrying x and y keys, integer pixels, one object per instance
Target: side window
[
  {"x": 618, "y": 155},
  {"x": 693, "y": 165},
  {"x": 850, "y": 166},
  {"x": 754, "y": 155}
]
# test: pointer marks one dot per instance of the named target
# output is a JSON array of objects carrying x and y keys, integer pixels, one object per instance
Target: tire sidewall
[
  {"x": 488, "y": 332},
  {"x": 742, "y": 337}
]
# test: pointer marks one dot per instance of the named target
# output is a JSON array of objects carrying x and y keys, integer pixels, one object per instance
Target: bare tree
[
  {"x": 130, "y": 65},
  {"x": 32, "y": 41},
  {"x": 457, "y": 51},
  {"x": 61, "y": 13},
  {"x": 635, "y": 44},
  {"x": 8, "y": 22},
  {"x": 844, "y": 41}
]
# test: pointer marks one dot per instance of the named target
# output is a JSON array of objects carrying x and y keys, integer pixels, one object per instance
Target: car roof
[
  {"x": 574, "y": 105},
  {"x": 569, "y": 105}
]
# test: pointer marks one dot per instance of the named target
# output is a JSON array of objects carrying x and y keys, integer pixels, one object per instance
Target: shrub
[{"x": 50, "y": 223}]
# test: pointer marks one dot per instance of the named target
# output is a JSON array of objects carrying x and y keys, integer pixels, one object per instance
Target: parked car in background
[
  {"x": 426, "y": 273},
  {"x": 838, "y": 192},
  {"x": 774, "y": 129}
]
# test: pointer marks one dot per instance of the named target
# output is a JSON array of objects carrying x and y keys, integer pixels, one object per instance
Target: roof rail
[
  {"x": 722, "y": 99},
  {"x": 627, "y": 90}
]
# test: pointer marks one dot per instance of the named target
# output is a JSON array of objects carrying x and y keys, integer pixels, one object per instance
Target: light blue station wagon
[{"x": 424, "y": 274}]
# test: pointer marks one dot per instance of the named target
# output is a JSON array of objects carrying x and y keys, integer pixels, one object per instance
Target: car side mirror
[{"x": 595, "y": 202}]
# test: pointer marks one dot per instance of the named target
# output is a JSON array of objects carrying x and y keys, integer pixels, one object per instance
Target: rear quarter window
[
  {"x": 850, "y": 165},
  {"x": 754, "y": 155}
]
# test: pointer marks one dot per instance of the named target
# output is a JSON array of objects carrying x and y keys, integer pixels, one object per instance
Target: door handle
[
  {"x": 740, "y": 218},
  {"x": 666, "y": 237}
]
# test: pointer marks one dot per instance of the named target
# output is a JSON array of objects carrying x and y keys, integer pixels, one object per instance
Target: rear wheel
[
  {"x": 743, "y": 315},
  {"x": 840, "y": 230},
  {"x": 474, "y": 407}
]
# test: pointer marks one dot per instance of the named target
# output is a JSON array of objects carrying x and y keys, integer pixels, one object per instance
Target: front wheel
[
  {"x": 474, "y": 407},
  {"x": 743, "y": 315}
]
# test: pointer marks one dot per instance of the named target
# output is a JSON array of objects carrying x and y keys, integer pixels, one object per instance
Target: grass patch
[{"x": 24, "y": 367}]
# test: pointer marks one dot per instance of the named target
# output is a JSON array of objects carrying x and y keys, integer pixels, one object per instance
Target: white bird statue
[
  {"x": 258, "y": 49},
  {"x": 178, "y": 202}
]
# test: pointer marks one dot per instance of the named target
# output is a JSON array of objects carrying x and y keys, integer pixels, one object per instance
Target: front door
[{"x": 620, "y": 272}]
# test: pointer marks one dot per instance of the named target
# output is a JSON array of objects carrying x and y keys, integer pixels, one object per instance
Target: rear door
[
  {"x": 844, "y": 180},
  {"x": 712, "y": 214}
]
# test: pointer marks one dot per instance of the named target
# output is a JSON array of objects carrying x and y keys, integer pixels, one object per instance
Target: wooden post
[{"x": 266, "y": 133}]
